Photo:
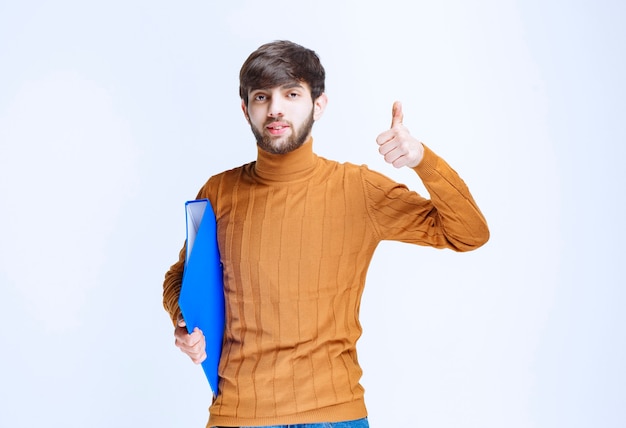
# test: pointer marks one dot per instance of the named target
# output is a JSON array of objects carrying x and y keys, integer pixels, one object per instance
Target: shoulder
[
  {"x": 361, "y": 173},
  {"x": 216, "y": 183},
  {"x": 341, "y": 167}
]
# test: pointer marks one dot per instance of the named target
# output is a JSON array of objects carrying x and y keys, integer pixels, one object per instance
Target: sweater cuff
[{"x": 428, "y": 165}]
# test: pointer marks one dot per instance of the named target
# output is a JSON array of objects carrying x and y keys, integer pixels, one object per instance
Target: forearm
[{"x": 464, "y": 225}]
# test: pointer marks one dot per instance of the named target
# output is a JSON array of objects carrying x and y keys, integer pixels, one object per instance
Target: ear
[
  {"x": 245, "y": 110},
  {"x": 319, "y": 105}
]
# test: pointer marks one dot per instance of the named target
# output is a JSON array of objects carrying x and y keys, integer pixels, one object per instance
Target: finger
[
  {"x": 386, "y": 148},
  {"x": 191, "y": 339},
  {"x": 181, "y": 322},
  {"x": 396, "y": 114},
  {"x": 189, "y": 343},
  {"x": 196, "y": 334},
  {"x": 385, "y": 137},
  {"x": 185, "y": 340},
  {"x": 393, "y": 156},
  {"x": 197, "y": 359}
]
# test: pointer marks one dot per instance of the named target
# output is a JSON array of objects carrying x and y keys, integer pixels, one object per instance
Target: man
[{"x": 296, "y": 233}]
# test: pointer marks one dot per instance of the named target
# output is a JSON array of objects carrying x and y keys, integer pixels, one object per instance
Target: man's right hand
[{"x": 192, "y": 344}]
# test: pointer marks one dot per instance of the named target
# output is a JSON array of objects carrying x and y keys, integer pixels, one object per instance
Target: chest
[{"x": 303, "y": 220}]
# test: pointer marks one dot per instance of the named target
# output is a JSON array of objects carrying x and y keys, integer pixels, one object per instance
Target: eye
[
  {"x": 260, "y": 97},
  {"x": 293, "y": 95}
]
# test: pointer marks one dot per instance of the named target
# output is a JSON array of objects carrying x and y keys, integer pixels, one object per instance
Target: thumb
[
  {"x": 181, "y": 322},
  {"x": 396, "y": 114}
]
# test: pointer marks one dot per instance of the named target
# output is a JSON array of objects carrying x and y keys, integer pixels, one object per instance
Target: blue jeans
[{"x": 359, "y": 423}]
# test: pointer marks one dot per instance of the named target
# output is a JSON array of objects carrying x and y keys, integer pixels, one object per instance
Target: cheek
[
  {"x": 255, "y": 118},
  {"x": 304, "y": 113}
]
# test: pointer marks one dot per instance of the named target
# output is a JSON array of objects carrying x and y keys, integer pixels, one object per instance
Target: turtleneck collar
[{"x": 292, "y": 166}]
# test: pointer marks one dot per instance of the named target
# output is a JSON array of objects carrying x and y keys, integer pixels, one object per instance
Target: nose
[{"x": 276, "y": 107}]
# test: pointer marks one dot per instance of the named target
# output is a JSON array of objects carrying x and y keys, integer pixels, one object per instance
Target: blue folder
[{"x": 201, "y": 297}]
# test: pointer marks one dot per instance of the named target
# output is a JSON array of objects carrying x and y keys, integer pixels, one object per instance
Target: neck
[{"x": 295, "y": 165}]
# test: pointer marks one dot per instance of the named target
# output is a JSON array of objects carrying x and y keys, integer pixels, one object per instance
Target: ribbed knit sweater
[{"x": 296, "y": 234}]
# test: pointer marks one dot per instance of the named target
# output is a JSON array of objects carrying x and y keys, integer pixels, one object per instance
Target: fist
[
  {"x": 397, "y": 145},
  {"x": 193, "y": 345}
]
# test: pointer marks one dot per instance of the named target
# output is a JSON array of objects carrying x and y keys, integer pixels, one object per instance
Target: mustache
[{"x": 271, "y": 121}]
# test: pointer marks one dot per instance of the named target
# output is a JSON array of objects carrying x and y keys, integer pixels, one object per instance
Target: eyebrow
[{"x": 290, "y": 85}]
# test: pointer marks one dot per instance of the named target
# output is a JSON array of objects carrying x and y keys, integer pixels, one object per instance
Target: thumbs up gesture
[{"x": 397, "y": 145}]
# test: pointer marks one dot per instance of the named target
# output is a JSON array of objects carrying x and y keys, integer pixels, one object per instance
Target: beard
[{"x": 297, "y": 138}]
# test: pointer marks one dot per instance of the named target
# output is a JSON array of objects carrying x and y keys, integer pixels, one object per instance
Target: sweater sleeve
[
  {"x": 171, "y": 286},
  {"x": 450, "y": 219}
]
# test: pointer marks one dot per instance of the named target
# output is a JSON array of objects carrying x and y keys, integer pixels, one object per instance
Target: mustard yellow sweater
[{"x": 296, "y": 234}]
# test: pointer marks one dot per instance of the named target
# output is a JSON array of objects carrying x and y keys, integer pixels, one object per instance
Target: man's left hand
[{"x": 397, "y": 144}]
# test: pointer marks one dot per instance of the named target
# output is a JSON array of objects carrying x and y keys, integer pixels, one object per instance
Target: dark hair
[{"x": 280, "y": 62}]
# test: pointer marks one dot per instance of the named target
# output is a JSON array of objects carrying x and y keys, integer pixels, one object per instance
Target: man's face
[{"x": 281, "y": 118}]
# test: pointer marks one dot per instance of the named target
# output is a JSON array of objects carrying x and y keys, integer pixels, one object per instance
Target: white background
[{"x": 112, "y": 114}]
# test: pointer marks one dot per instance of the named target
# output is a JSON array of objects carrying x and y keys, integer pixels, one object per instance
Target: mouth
[{"x": 277, "y": 128}]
